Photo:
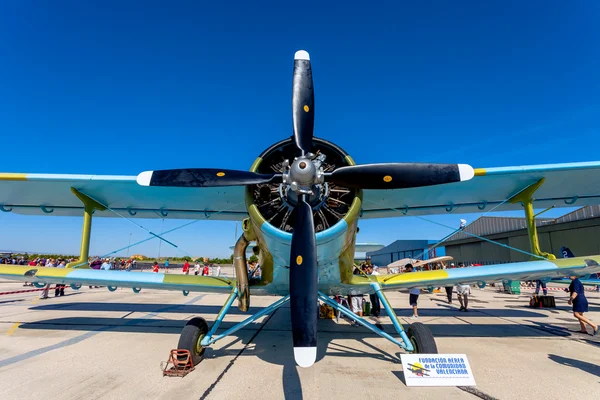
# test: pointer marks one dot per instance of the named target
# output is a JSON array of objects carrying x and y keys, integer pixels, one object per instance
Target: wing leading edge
[
  {"x": 50, "y": 194},
  {"x": 529, "y": 270},
  {"x": 138, "y": 280},
  {"x": 565, "y": 185}
]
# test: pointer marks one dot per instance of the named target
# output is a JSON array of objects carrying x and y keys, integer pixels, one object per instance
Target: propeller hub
[{"x": 302, "y": 175}]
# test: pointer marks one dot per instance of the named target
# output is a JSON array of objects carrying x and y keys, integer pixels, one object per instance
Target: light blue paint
[
  {"x": 542, "y": 168},
  {"x": 330, "y": 244},
  {"x": 475, "y": 273},
  {"x": 563, "y": 183},
  {"x": 224, "y": 310},
  {"x": 130, "y": 277},
  {"x": 360, "y": 320},
  {"x": 267, "y": 310},
  {"x": 122, "y": 194},
  {"x": 392, "y": 315}
]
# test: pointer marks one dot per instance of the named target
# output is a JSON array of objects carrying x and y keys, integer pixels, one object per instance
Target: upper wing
[
  {"x": 530, "y": 270},
  {"x": 49, "y": 194},
  {"x": 138, "y": 280},
  {"x": 574, "y": 184}
]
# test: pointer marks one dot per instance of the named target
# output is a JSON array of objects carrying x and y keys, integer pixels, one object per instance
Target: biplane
[{"x": 301, "y": 202}]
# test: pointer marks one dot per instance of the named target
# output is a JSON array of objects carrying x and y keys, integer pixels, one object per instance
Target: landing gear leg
[
  {"x": 419, "y": 335},
  {"x": 418, "y": 339},
  {"x": 196, "y": 336}
]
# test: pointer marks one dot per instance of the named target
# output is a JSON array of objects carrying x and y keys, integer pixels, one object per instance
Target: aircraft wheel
[
  {"x": 421, "y": 338},
  {"x": 191, "y": 336}
]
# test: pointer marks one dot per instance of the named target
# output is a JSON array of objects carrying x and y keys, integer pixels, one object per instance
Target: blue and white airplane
[{"x": 301, "y": 202}]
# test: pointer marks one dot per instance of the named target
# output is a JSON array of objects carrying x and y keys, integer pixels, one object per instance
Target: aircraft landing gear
[
  {"x": 196, "y": 337},
  {"x": 191, "y": 339},
  {"x": 418, "y": 338},
  {"x": 421, "y": 338}
]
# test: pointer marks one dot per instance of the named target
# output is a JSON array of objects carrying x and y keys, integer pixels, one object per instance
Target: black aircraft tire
[
  {"x": 421, "y": 338},
  {"x": 191, "y": 335}
]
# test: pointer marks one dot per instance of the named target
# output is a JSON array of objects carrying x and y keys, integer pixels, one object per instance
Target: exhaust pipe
[{"x": 241, "y": 273}]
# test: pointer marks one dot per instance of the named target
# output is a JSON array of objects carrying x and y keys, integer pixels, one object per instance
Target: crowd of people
[
  {"x": 202, "y": 269},
  {"x": 357, "y": 303}
]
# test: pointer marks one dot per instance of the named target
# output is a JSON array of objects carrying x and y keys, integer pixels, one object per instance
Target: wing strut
[
  {"x": 89, "y": 205},
  {"x": 525, "y": 197}
]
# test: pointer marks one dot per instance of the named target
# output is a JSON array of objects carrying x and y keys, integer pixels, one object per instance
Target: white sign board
[{"x": 437, "y": 370}]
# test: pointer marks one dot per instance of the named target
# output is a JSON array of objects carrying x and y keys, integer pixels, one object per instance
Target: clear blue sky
[{"x": 150, "y": 85}]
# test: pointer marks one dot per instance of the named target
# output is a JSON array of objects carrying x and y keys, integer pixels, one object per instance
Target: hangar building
[
  {"x": 420, "y": 249},
  {"x": 578, "y": 230}
]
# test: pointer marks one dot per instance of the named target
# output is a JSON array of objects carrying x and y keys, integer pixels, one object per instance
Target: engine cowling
[{"x": 275, "y": 202}]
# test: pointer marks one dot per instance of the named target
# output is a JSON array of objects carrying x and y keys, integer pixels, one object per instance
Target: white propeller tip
[
  {"x": 301, "y": 55},
  {"x": 305, "y": 356},
  {"x": 466, "y": 172},
  {"x": 144, "y": 178}
]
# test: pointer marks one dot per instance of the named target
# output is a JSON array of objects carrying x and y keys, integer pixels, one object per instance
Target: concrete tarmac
[{"x": 95, "y": 344}]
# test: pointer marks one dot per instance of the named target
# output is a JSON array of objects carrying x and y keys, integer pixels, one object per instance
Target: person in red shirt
[
  {"x": 155, "y": 267},
  {"x": 32, "y": 263},
  {"x": 206, "y": 270},
  {"x": 186, "y": 267}
]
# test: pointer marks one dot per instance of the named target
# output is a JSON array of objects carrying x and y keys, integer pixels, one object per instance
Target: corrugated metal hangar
[
  {"x": 579, "y": 231},
  {"x": 404, "y": 249}
]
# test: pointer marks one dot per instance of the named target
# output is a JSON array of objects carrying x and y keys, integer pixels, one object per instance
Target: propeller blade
[
  {"x": 303, "y": 102},
  {"x": 204, "y": 177},
  {"x": 399, "y": 175},
  {"x": 303, "y": 286}
]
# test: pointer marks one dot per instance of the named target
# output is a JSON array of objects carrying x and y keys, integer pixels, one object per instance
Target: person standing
[
  {"x": 186, "y": 267},
  {"x": 539, "y": 283},
  {"x": 462, "y": 292},
  {"x": 196, "y": 268},
  {"x": 580, "y": 304},
  {"x": 449, "y": 291},
  {"x": 60, "y": 289},
  {"x": 106, "y": 265},
  {"x": 413, "y": 294},
  {"x": 155, "y": 267},
  {"x": 375, "y": 303},
  {"x": 44, "y": 293}
]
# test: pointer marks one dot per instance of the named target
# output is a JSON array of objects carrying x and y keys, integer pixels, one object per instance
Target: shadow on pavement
[
  {"x": 571, "y": 362},
  {"x": 140, "y": 307}
]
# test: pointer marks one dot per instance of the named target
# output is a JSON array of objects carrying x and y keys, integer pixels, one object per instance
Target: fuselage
[{"x": 336, "y": 218}]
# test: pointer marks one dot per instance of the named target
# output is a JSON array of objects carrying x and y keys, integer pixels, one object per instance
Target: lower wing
[
  {"x": 137, "y": 280},
  {"x": 530, "y": 270}
]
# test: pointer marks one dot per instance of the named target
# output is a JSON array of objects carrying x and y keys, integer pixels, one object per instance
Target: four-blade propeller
[{"x": 301, "y": 177}]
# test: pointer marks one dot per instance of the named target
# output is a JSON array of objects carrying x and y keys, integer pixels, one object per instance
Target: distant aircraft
[
  {"x": 589, "y": 280},
  {"x": 301, "y": 202}
]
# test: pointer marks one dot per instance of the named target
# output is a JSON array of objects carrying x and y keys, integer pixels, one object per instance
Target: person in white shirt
[
  {"x": 44, "y": 293},
  {"x": 106, "y": 265},
  {"x": 463, "y": 292},
  {"x": 196, "y": 268},
  {"x": 60, "y": 289},
  {"x": 413, "y": 294},
  {"x": 218, "y": 269}
]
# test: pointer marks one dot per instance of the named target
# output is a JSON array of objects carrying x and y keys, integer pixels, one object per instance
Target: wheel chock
[{"x": 179, "y": 363}]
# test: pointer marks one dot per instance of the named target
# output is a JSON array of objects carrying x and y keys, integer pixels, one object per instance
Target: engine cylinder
[{"x": 276, "y": 202}]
